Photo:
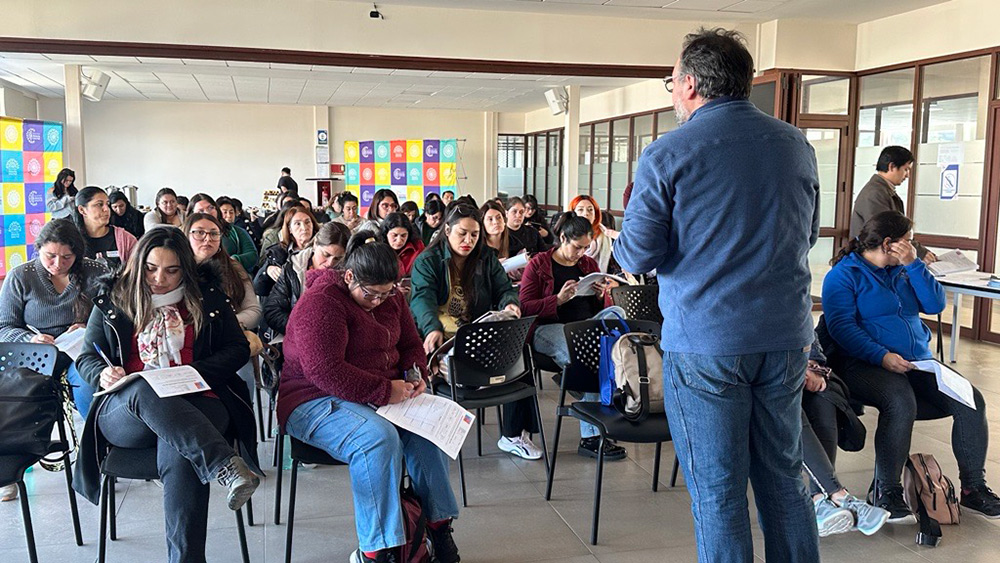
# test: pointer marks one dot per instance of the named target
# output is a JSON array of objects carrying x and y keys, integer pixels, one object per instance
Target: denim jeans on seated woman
[
  {"x": 551, "y": 340},
  {"x": 83, "y": 393},
  {"x": 375, "y": 450}
]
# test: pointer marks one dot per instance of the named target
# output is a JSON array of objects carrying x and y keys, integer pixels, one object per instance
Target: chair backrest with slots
[
  {"x": 641, "y": 302},
  {"x": 490, "y": 353},
  {"x": 583, "y": 339},
  {"x": 36, "y": 357}
]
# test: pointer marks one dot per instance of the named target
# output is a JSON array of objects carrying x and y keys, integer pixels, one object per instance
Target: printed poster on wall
[
  {"x": 410, "y": 168},
  {"x": 30, "y": 159}
]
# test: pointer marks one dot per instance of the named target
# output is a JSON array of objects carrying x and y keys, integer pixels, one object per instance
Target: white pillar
[
  {"x": 490, "y": 127},
  {"x": 73, "y": 153},
  {"x": 571, "y": 147}
]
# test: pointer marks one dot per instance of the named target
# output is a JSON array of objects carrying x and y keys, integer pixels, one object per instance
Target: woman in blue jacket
[{"x": 872, "y": 300}]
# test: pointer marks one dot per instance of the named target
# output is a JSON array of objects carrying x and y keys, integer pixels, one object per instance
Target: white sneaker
[
  {"x": 8, "y": 492},
  {"x": 520, "y": 446}
]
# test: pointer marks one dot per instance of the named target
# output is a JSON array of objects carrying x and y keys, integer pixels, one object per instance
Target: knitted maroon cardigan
[{"x": 333, "y": 347}]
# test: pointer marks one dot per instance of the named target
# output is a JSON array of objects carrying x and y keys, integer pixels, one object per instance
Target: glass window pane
[
  {"x": 529, "y": 164},
  {"x": 762, "y": 96},
  {"x": 602, "y": 156},
  {"x": 510, "y": 166},
  {"x": 541, "y": 148},
  {"x": 554, "y": 169},
  {"x": 886, "y": 118},
  {"x": 642, "y": 136},
  {"x": 826, "y": 142},
  {"x": 666, "y": 121},
  {"x": 619, "y": 164},
  {"x": 586, "y": 157},
  {"x": 825, "y": 94},
  {"x": 819, "y": 264},
  {"x": 952, "y": 148}
]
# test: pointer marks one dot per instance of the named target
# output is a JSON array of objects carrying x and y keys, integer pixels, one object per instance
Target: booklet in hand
[
  {"x": 586, "y": 286},
  {"x": 166, "y": 382}
]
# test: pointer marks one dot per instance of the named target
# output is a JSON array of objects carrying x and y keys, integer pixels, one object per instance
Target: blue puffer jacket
[{"x": 871, "y": 311}]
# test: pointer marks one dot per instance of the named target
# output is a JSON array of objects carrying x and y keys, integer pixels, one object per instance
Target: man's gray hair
[{"x": 720, "y": 63}]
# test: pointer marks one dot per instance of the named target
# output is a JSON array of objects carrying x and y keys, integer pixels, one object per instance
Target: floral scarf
[{"x": 160, "y": 341}]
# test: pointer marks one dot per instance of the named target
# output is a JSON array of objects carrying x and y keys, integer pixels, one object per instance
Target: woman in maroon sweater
[{"x": 348, "y": 344}]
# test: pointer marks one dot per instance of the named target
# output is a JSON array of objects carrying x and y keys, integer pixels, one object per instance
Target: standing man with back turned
[
  {"x": 879, "y": 194},
  {"x": 286, "y": 183},
  {"x": 725, "y": 208}
]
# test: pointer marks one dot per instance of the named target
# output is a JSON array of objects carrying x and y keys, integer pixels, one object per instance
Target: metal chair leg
[
  {"x": 74, "y": 512},
  {"x": 29, "y": 531},
  {"x": 673, "y": 474},
  {"x": 112, "y": 510},
  {"x": 279, "y": 449},
  {"x": 656, "y": 467},
  {"x": 244, "y": 550},
  {"x": 499, "y": 420},
  {"x": 102, "y": 540},
  {"x": 260, "y": 414},
  {"x": 461, "y": 473},
  {"x": 291, "y": 512},
  {"x": 552, "y": 460},
  {"x": 479, "y": 431},
  {"x": 249, "y": 506},
  {"x": 597, "y": 492},
  {"x": 541, "y": 434}
]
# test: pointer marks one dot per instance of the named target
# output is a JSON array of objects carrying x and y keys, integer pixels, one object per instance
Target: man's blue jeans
[
  {"x": 374, "y": 450},
  {"x": 735, "y": 418}
]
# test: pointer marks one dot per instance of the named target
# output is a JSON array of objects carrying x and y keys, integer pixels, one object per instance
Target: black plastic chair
[
  {"x": 301, "y": 452},
  {"x": 40, "y": 358},
  {"x": 541, "y": 363},
  {"x": 140, "y": 463},
  {"x": 487, "y": 366},
  {"x": 641, "y": 302},
  {"x": 581, "y": 375}
]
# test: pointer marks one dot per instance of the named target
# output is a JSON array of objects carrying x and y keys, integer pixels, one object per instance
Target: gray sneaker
[
  {"x": 832, "y": 519},
  {"x": 868, "y": 519},
  {"x": 240, "y": 481}
]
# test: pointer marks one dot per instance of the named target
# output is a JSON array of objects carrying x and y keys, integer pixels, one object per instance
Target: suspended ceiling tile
[
  {"x": 160, "y": 61},
  {"x": 753, "y": 6}
]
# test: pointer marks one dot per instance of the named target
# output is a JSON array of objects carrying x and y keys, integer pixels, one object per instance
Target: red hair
[{"x": 596, "y": 225}]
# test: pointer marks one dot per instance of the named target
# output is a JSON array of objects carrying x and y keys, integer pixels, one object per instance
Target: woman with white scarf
[{"x": 164, "y": 311}]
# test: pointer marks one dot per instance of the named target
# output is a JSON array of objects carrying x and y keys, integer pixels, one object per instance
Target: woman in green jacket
[{"x": 456, "y": 280}]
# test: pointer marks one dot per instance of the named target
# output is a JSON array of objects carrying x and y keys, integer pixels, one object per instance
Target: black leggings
[
  {"x": 819, "y": 443},
  {"x": 902, "y": 399}
]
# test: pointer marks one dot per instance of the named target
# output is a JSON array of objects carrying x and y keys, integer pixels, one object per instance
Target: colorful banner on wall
[
  {"x": 411, "y": 169},
  {"x": 30, "y": 159}
]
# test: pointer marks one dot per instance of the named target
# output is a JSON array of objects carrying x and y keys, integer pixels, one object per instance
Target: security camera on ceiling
[
  {"x": 375, "y": 14},
  {"x": 94, "y": 85},
  {"x": 558, "y": 100}
]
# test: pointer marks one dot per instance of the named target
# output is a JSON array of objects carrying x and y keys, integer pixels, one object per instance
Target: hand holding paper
[
  {"x": 949, "y": 382},
  {"x": 166, "y": 382}
]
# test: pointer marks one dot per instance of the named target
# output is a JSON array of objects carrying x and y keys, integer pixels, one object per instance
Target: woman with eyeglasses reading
[
  {"x": 237, "y": 242},
  {"x": 348, "y": 347},
  {"x": 456, "y": 280},
  {"x": 326, "y": 252},
  {"x": 297, "y": 231},
  {"x": 104, "y": 242},
  {"x": 383, "y": 203}
]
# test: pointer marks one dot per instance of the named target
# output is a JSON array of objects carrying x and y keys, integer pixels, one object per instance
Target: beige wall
[
  {"x": 230, "y": 149},
  {"x": 325, "y": 25},
  {"x": 376, "y": 124},
  {"x": 806, "y": 44},
  {"x": 953, "y": 27},
  {"x": 14, "y": 103}
]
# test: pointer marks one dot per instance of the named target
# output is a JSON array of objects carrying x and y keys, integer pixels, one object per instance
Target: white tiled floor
[{"x": 507, "y": 518}]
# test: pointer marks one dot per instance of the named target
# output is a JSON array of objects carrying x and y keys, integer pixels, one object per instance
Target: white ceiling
[
  {"x": 853, "y": 11},
  {"x": 142, "y": 78}
]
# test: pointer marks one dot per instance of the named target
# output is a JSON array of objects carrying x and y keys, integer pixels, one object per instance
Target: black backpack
[{"x": 30, "y": 405}]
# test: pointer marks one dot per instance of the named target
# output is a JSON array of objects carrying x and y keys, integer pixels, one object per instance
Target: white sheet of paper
[
  {"x": 949, "y": 382},
  {"x": 166, "y": 382},
  {"x": 515, "y": 262},
  {"x": 440, "y": 420},
  {"x": 586, "y": 285},
  {"x": 952, "y": 263},
  {"x": 71, "y": 342}
]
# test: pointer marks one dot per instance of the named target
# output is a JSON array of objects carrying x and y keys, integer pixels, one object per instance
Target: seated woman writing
[
  {"x": 164, "y": 311},
  {"x": 872, "y": 300},
  {"x": 348, "y": 346},
  {"x": 548, "y": 289},
  {"x": 457, "y": 280}
]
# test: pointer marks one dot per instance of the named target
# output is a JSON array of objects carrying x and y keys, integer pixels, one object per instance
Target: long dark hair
[
  {"x": 234, "y": 277},
  {"x": 131, "y": 292},
  {"x": 468, "y": 272},
  {"x": 57, "y": 187},
  {"x": 377, "y": 199},
  {"x": 492, "y": 205},
  {"x": 115, "y": 197},
  {"x": 82, "y": 199},
  {"x": 226, "y": 227},
  {"x": 371, "y": 261},
  {"x": 156, "y": 203},
  {"x": 400, "y": 220},
  {"x": 63, "y": 231},
  {"x": 891, "y": 225},
  {"x": 573, "y": 226}
]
